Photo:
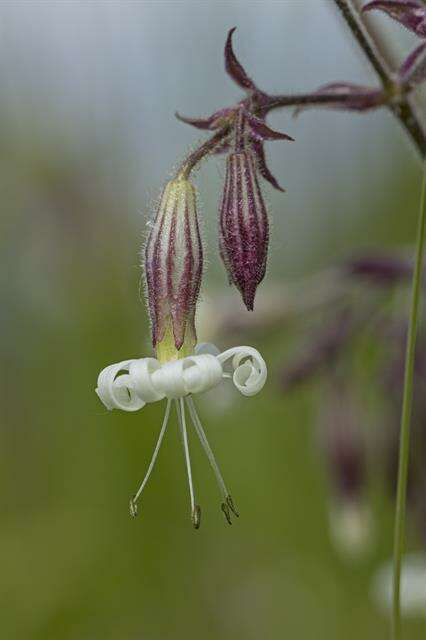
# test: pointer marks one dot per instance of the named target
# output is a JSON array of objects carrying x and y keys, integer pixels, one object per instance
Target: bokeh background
[{"x": 88, "y": 138}]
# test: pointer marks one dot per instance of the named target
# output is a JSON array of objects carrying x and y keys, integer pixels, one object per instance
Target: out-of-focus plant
[{"x": 367, "y": 305}]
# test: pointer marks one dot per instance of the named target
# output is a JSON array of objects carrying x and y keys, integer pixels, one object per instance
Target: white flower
[
  {"x": 130, "y": 384},
  {"x": 413, "y": 586},
  {"x": 351, "y": 528}
]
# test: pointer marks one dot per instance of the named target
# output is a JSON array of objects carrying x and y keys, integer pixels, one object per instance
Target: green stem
[{"x": 404, "y": 442}]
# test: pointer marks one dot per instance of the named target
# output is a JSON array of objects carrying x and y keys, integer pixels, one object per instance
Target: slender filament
[
  {"x": 135, "y": 498},
  {"x": 203, "y": 439},
  {"x": 227, "y": 504},
  {"x": 195, "y": 509}
]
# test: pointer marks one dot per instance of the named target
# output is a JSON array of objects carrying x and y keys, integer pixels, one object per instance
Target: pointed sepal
[
  {"x": 261, "y": 131},
  {"x": 410, "y": 13},
  {"x": 413, "y": 70},
  {"x": 211, "y": 123},
  {"x": 234, "y": 68},
  {"x": 262, "y": 167}
]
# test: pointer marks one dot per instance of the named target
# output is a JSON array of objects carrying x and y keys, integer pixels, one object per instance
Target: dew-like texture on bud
[
  {"x": 173, "y": 267},
  {"x": 243, "y": 226}
]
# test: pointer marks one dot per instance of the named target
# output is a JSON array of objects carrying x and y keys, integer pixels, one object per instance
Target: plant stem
[
  {"x": 365, "y": 42},
  {"x": 402, "y": 109},
  {"x": 404, "y": 442},
  {"x": 302, "y": 100},
  {"x": 205, "y": 149}
]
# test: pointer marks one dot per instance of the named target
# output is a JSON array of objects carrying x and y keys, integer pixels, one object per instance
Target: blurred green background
[{"x": 87, "y": 140}]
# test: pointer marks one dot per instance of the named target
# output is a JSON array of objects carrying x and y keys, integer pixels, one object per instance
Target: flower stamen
[
  {"x": 135, "y": 498},
  {"x": 195, "y": 508},
  {"x": 228, "y": 503}
]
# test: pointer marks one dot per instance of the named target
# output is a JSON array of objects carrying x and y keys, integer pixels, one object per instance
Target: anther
[
  {"x": 133, "y": 508},
  {"x": 196, "y": 516},
  {"x": 225, "y": 509},
  {"x": 231, "y": 505}
]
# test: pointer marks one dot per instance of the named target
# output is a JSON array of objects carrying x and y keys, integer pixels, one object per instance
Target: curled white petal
[
  {"x": 116, "y": 391},
  {"x": 250, "y": 371},
  {"x": 192, "y": 374},
  {"x": 202, "y": 372},
  {"x": 130, "y": 384},
  {"x": 148, "y": 381},
  {"x": 142, "y": 374}
]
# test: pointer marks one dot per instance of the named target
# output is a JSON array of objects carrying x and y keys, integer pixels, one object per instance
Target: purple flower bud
[
  {"x": 173, "y": 268},
  {"x": 243, "y": 226},
  {"x": 410, "y": 13}
]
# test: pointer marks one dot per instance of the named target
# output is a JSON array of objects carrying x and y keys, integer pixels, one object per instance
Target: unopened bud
[{"x": 243, "y": 226}]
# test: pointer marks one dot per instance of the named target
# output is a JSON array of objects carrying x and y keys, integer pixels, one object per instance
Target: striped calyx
[
  {"x": 173, "y": 269},
  {"x": 243, "y": 225}
]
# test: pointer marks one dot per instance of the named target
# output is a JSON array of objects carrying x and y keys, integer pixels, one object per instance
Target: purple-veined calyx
[
  {"x": 173, "y": 269},
  {"x": 243, "y": 220}
]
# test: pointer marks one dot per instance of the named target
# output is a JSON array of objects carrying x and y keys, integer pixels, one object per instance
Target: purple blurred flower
[
  {"x": 322, "y": 351},
  {"x": 379, "y": 269},
  {"x": 173, "y": 266},
  {"x": 410, "y": 13},
  {"x": 344, "y": 443},
  {"x": 345, "y": 451}
]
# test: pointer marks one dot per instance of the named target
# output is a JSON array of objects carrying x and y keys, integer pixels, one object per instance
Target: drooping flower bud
[
  {"x": 243, "y": 218},
  {"x": 243, "y": 226},
  {"x": 173, "y": 268},
  {"x": 241, "y": 130}
]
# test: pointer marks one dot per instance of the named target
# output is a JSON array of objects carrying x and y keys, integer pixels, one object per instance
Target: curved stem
[
  {"x": 301, "y": 100},
  {"x": 205, "y": 149},
  {"x": 365, "y": 42},
  {"x": 404, "y": 444}
]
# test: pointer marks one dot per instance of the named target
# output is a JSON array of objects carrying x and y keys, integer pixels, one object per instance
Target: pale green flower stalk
[{"x": 404, "y": 447}]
